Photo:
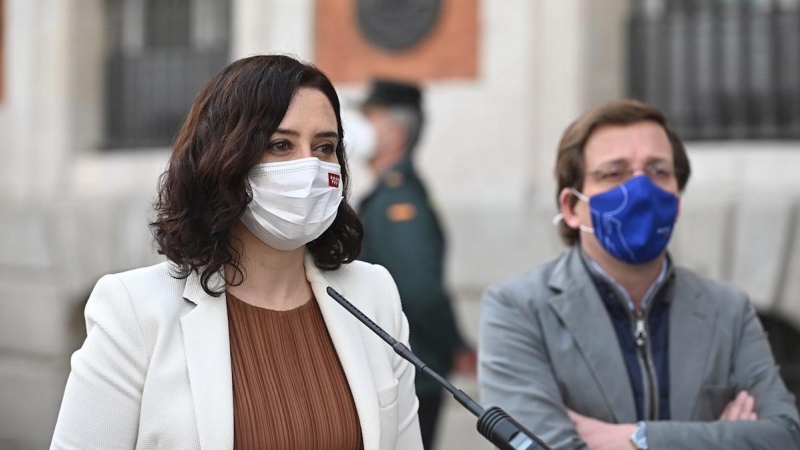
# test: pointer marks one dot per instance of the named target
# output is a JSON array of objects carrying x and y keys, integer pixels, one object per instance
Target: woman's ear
[{"x": 567, "y": 208}]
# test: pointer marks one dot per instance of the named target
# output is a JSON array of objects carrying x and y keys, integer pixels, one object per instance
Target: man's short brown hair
[{"x": 570, "y": 160}]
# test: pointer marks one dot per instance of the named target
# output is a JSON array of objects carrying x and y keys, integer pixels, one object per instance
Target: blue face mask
[{"x": 633, "y": 221}]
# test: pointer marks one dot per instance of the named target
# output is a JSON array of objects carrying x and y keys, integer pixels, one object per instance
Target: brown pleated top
[{"x": 289, "y": 389}]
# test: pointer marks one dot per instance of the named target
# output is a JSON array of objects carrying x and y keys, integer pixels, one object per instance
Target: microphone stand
[{"x": 494, "y": 424}]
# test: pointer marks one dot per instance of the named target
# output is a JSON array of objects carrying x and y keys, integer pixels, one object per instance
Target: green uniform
[{"x": 402, "y": 233}]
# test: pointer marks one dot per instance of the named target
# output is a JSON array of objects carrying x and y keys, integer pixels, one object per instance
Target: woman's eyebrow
[
  {"x": 321, "y": 134},
  {"x": 287, "y": 131}
]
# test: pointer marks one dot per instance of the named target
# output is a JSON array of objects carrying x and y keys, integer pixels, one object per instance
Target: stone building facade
[{"x": 74, "y": 203}]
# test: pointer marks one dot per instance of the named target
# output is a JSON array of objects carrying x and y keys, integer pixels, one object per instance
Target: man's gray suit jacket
[{"x": 547, "y": 344}]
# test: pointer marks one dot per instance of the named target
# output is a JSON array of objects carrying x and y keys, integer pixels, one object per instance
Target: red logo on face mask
[{"x": 333, "y": 180}]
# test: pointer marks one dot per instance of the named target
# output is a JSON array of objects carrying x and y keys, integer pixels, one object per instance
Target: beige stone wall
[{"x": 52, "y": 256}]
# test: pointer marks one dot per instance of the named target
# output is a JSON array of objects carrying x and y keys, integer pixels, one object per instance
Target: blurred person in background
[
  {"x": 613, "y": 346},
  {"x": 403, "y": 234},
  {"x": 233, "y": 343}
]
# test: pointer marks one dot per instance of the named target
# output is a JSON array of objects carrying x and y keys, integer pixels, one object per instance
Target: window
[
  {"x": 167, "y": 23},
  {"x": 2, "y": 49},
  {"x": 161, "y": 53},
  {"x": 720, "y": 69}
]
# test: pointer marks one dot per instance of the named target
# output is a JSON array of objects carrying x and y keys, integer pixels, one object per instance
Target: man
[
  {"x": 402, "y": 233},
  {"x": 610, "y": 345}
]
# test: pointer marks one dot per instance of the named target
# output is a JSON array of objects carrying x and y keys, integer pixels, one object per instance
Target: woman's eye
[
  {"x": 327, "y": 149},
  {"x": 280, "y": 146}
]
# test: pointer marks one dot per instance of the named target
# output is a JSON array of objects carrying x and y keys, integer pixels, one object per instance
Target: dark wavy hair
[{"x": 204, "y": 191}]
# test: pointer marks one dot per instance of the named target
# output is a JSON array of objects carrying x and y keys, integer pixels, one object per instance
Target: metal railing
[
  {"x": 149, "y": 94},
  {"x": 162, "y": 52},
  {"x": 720, "y": 69}
]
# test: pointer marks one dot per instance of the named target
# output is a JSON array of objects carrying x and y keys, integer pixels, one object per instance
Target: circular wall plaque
[{"x": 397, "y": 25}]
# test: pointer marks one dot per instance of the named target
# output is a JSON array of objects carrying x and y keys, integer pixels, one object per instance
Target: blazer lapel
[
  {"x": 582, "y": 311},
  {"x": 691, "y": 332},
  {"x": 207, "y": 348},
  {"x": 345, "y": 331}
]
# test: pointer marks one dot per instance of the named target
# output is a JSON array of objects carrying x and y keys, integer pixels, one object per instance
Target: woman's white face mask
[{"x": 294, "y": 202}]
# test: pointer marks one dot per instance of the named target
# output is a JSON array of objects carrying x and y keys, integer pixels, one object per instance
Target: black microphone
[{"x": 494, "y": 423}]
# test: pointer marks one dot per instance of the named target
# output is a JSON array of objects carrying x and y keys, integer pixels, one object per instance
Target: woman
[{"x": 233, "y": 342}]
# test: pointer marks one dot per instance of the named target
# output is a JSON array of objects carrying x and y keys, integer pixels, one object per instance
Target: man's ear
[{"x": 567, "y": 208}]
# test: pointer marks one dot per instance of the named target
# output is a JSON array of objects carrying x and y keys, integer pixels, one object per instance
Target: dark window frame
[
  {"x": 720, "y": 69},
  {"x": 150, "y": 86}
]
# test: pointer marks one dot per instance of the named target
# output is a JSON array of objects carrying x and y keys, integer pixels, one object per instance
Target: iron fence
[
  {"x": 162, "y": 53},
  {"x": 720, "y": 69}
]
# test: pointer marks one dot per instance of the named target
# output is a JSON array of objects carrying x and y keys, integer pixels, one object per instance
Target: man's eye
[
  {"x": 664, "y": 172},
  {"x": 612, "y": 175}
]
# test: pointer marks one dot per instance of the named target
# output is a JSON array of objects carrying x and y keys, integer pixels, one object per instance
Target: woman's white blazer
[{"x": 155, "y": 369}]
